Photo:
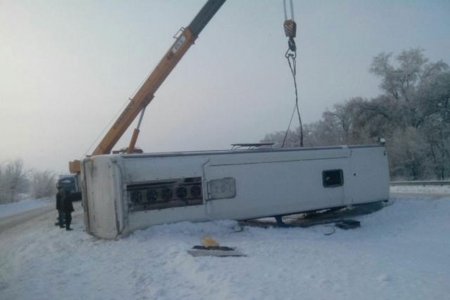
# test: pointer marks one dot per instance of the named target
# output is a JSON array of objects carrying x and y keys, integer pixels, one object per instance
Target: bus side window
[{"x": 332, "y": 178}]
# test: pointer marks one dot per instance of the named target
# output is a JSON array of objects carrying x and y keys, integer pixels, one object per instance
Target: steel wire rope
[
  {"x": 291, "y": 55},
  {"x": 296, "y": 106}
]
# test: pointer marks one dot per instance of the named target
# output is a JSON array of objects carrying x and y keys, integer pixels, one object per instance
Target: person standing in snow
[
  {"x": 59, "y": 195},
  {"x": 67, "y": 208}
]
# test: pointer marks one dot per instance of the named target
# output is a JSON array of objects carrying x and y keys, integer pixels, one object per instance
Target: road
[
  {"x": 30, "y": 218},
  {"x": 11, "y": 221}
]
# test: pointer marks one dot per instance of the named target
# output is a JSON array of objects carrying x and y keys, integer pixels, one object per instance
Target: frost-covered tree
[
  {"x": 407, "y": 82},
  {"x": 42, "y": 184},
  {"x": 13, "y": 181},
  {"x": 412, "y": 114},
  {"x": 420, "y": 94}
]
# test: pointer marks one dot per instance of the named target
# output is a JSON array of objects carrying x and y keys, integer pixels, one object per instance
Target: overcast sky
[{"x": 67, "y": 68}]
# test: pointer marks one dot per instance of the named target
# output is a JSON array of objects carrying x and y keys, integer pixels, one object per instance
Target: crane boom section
[{"x": 146, "y": 93}]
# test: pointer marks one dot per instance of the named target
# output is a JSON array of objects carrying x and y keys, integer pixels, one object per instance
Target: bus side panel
[
  {"x": 267, "y": 189},
  {"x": 369, "y": 176}
]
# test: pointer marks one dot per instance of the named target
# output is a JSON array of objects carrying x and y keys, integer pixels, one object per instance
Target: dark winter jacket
[
  {"x": 59, "y": 200},
  {"x": 66, "y": 202}
]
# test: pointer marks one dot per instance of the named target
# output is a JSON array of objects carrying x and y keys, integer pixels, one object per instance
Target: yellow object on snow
[{"x": 209, "y": 242}]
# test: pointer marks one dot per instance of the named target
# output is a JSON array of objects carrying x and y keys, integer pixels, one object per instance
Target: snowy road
[
  {"x": 19, "y": 218},
  {"x": 400, "y": 252}
]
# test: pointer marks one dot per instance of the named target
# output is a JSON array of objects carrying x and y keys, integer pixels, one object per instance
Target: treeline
[
  {"x": 16, "y": 182},
  {"x": 412, "y": 114}
]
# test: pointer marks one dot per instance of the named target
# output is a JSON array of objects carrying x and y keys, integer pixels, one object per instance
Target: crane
[
  {"x": 147, "y": 91},
  {"x": 122, "y": 193}
]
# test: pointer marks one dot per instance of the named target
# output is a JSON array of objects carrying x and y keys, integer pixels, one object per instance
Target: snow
[
  {"x": 400, "y": 252},
  {"x": 421, "y": 189},
  {"x": 15, "y": 208}
]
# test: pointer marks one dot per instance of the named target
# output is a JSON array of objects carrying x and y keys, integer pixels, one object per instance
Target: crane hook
[{"x": 290, "y": 29}]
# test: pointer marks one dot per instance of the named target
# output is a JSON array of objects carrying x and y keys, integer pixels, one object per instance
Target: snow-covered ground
[
  {"x": 400, "y": 252},
  {"x": 15, "y": 208},
  {"x": 421, "y": 189}
]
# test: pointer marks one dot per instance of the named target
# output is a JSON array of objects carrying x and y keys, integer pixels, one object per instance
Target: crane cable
[{"x": 290, "y": 29}]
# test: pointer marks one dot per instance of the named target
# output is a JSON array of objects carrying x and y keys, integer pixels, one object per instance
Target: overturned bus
[{"x": 140, "y": 190}]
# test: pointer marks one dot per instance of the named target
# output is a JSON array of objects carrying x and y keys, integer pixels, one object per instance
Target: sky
[{"x": 68, "y": 68}]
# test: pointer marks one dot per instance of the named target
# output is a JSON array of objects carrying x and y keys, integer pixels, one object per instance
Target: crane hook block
[{"x": 290, "y": 28}]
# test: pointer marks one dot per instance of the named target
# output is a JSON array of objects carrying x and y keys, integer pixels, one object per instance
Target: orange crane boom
[{"x": 147, "y": 91}]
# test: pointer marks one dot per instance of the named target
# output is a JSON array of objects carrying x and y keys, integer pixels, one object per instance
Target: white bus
[{"x": 122, "y": 193}]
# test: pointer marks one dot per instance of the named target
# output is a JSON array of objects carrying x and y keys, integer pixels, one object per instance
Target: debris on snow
[{"x": 211, "y": 247}]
